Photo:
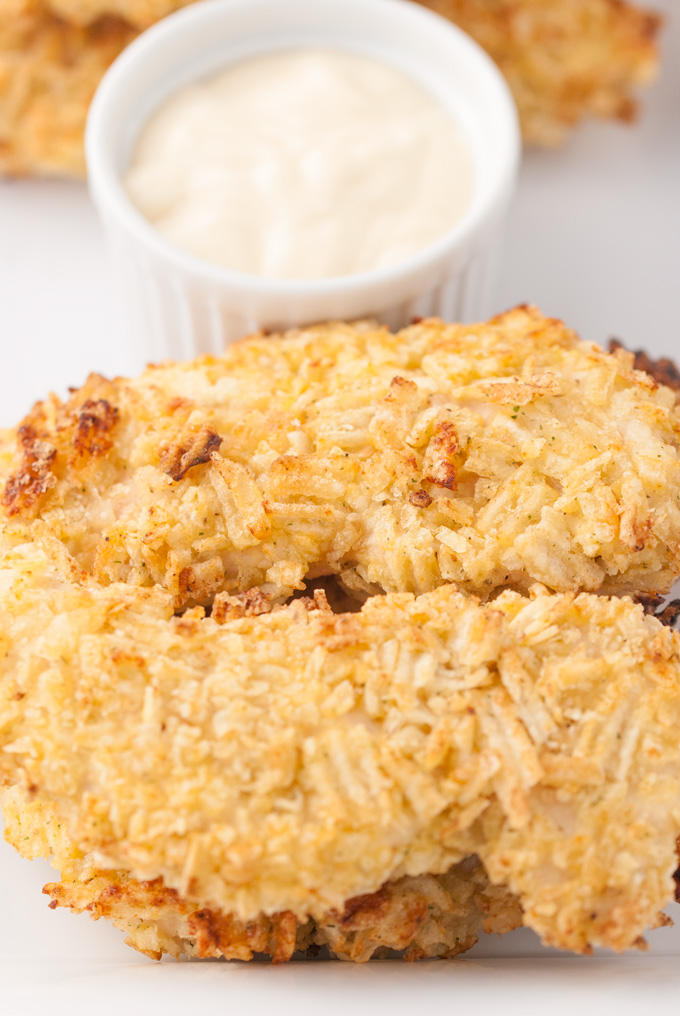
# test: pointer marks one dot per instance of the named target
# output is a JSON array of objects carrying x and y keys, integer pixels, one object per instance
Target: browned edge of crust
[{"x": 664, "y": 370}]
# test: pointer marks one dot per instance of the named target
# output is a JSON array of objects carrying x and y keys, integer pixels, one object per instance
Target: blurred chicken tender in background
[
  {"x": 564, "y": 60},
  {"x": 49, "y": 70}
]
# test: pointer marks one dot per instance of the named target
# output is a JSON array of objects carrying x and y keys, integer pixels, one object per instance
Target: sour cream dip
[{"x": 304, "y": 164}]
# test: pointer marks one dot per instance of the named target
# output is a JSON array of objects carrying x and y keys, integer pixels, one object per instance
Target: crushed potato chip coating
[
  {"x": 487, "y": 455},
  {"x": 419, "y": 917},
  {"x": 292, "y": 760},
  {"x": 564, "y": 60}
]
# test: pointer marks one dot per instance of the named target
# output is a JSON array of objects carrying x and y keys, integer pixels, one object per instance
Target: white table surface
[{"x": 594, "y": 238}]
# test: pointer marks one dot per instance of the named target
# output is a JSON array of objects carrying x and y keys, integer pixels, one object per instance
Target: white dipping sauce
[{"x": 305, "y": 164}]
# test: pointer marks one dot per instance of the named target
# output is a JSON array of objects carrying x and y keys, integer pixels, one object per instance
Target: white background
[{"x": 594, "y": 238}]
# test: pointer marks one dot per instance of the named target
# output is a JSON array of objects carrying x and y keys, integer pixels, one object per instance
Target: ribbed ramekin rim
[{"x": 110, "y": 197}]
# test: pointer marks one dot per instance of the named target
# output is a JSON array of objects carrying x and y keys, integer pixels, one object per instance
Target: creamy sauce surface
[{"x": 306, "y": 164}]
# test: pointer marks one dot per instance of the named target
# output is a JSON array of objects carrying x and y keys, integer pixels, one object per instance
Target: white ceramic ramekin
[{"x": 181, "y": 305}]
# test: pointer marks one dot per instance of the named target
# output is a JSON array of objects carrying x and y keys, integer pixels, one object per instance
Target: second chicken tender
[
  {"x": 487, "y": 455},
  {"x": 294, "y": 760}
]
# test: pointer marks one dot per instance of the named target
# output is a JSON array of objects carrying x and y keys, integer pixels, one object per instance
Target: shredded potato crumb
[
  {"x": 291, "y": 760},
  {"x": 487, "y": 455}
]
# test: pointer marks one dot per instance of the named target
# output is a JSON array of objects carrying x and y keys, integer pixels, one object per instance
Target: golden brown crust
[
  {"x": 416, "y": 917},
  {"x": 249, "y": 604},
  {"x": 420, "y": 498},
  {"x": 94, "y": 424},
  {"x": 439, "y": 467},
  {"x": 33, "y": 477},
  {"x": 488, "y": 455},
  {"x": 664, "y": 370},
  {"x": 420, "y": 918},
  {"x": 191, "y": 449},
  {"x": 534, "y": 733},
  {"x": 57, "y": 438}
]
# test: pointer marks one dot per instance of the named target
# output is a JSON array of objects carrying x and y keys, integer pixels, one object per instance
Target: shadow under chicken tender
[
  {"x": 293, "y": 760},
  {"x": 563, "y": 59},
  {"x": 488, "y": 455}
]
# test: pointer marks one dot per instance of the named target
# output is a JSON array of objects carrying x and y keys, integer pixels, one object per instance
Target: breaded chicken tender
[
  {"x": 491, "y": 455},
  {"x": 49, "y": 71},
  {"x": 563, "y": 59},
  {"x": 291, "y": 761}
]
